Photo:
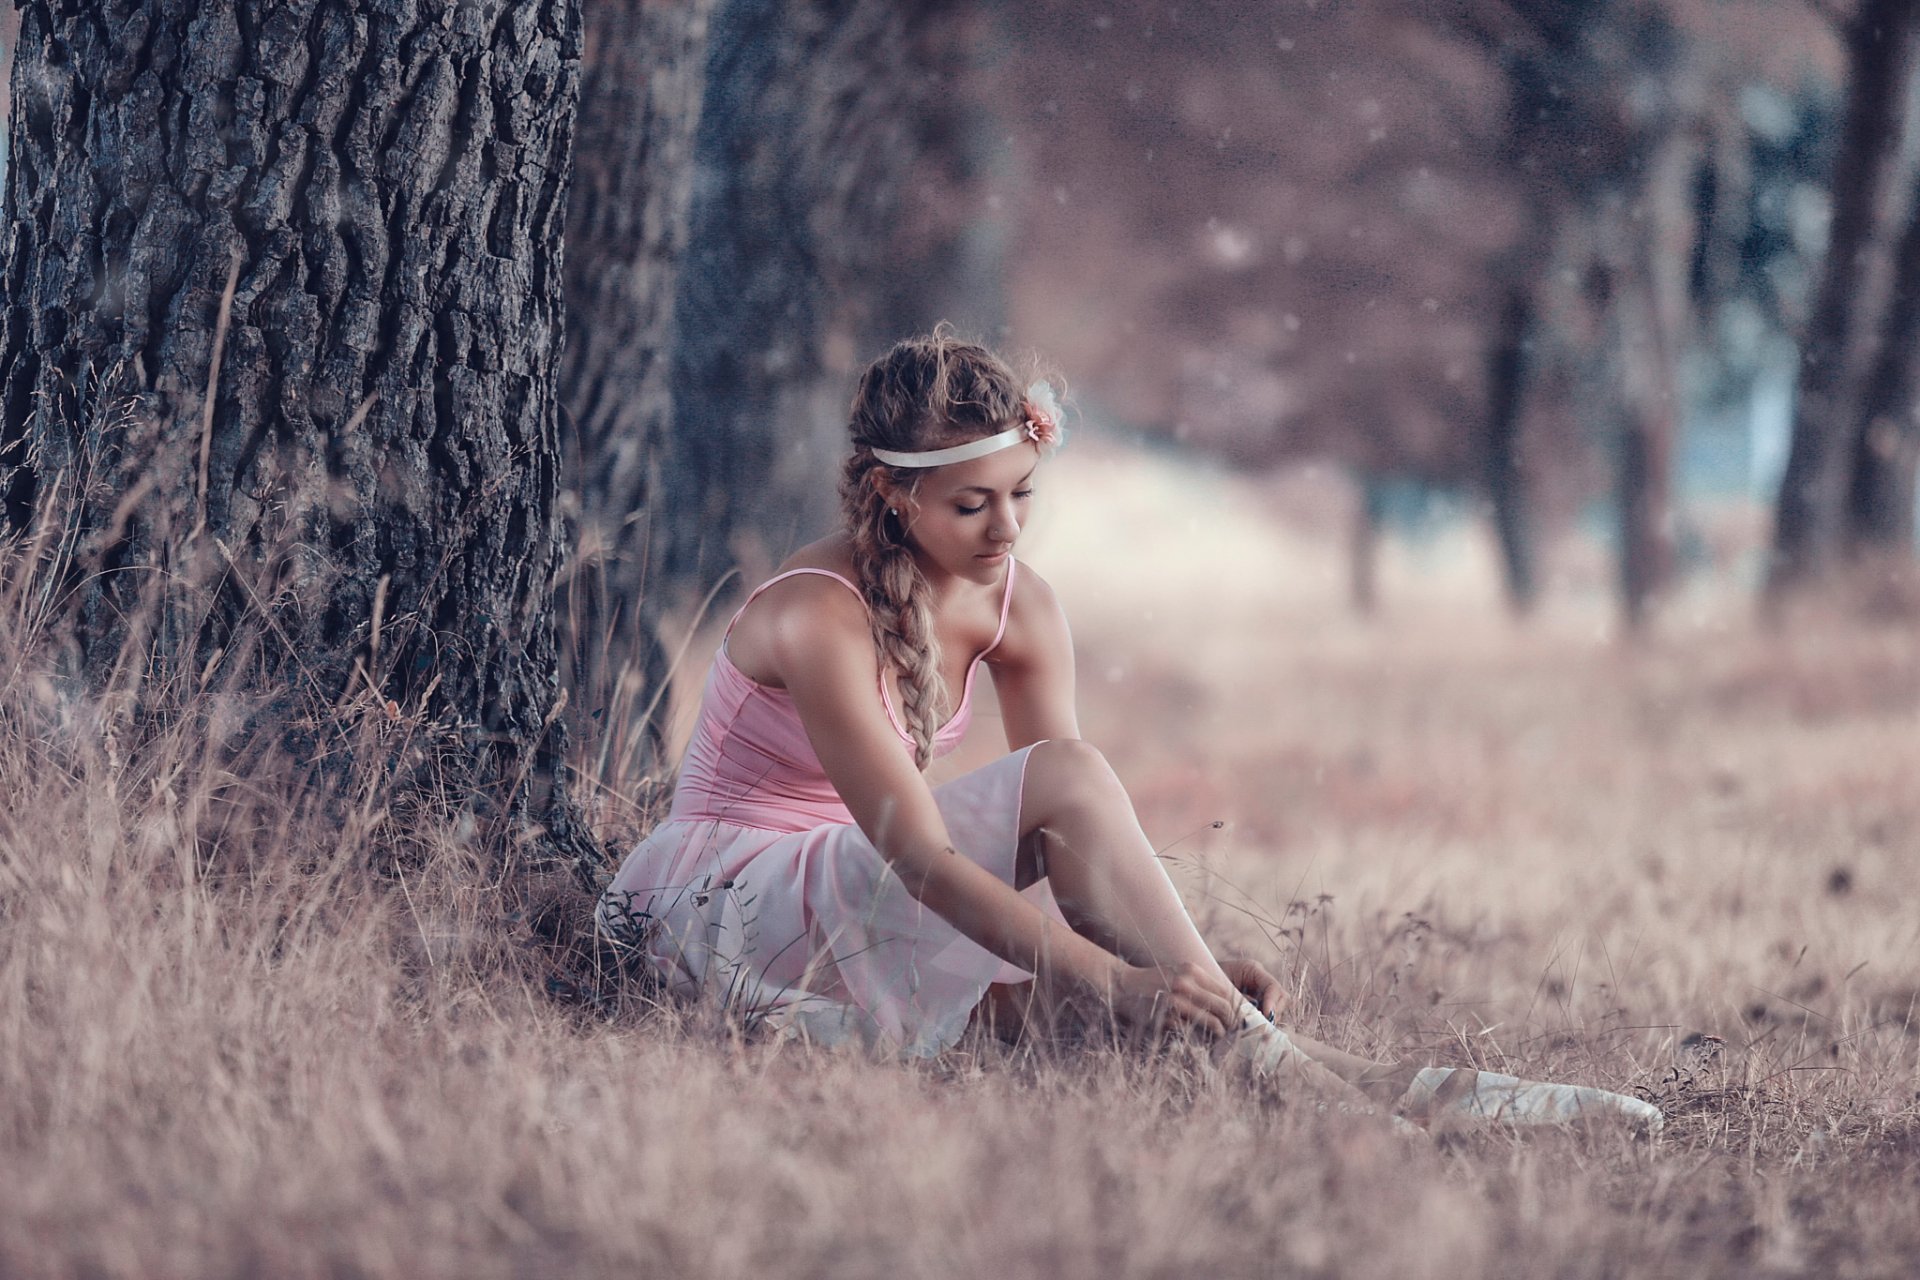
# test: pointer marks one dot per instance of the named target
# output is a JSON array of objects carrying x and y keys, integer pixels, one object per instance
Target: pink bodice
[{"x": 750, "y": 762}]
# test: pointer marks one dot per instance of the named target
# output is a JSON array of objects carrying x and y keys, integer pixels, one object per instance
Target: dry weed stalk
[{"x": 247, "y": 1027}]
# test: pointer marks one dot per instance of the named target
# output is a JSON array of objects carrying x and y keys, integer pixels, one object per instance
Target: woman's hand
[
  {"x": 1182, "y": 996},
  {"x": 1259, "y": 986}
]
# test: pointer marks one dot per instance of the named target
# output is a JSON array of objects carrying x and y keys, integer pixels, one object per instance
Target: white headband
[
  {"x": 1041, "y": 426},
  {"x": 958, "y": 453}
]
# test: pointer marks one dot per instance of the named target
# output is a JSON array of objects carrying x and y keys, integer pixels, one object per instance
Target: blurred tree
[
  {"x": 1349, "y": 224},
  {"x": 1649, "y": 328},
  {"x": 815, "y": 121},
  {"x": 1605, "y": 127},
  {"x": 642, "y": 81},
  {"x": 1651, "y": 241},
  {"x": 933, "y": 251},
  {"x": 1886, "y": 441},
  {"x": 1376, "y": 231},
  {"x": 1838, "y": 348},
  {"x": 760, "y": 190},
  {"x": 1564, "y": 145},
  {"x": 277, "y": 358}
]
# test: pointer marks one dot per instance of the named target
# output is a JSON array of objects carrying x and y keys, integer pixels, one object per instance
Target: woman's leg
[
  {"x": 1384, "y": 1082},
  {"x": 1079, "y": 831}
]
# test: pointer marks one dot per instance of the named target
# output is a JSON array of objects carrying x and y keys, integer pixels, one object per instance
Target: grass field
[{"x": 1684, "y": 869}]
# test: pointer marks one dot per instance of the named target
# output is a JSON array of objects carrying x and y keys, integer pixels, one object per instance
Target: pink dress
[{"x": 759, "y": 889}]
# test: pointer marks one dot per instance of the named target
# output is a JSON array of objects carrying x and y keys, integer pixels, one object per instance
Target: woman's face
[{"x": 963, "y": 519}]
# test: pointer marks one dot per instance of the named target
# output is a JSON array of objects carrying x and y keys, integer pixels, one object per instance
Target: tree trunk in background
[
  {"x": 807, "y": 133},
  {"x": 1886, "y": 444},
  {"x": 1563, "y": 136},
  {"x": 1506, "y": 472},
  {"x": 379, "y": 194},
  {"x": 1652, "y": 326},
  {"x": 1836, "y": 350},
  {"x": 1647, "y": 406},
  {"x": 943, "y": 256},
  {"x": 9, "y": 33},
  {"x": 642, "y": 81}
]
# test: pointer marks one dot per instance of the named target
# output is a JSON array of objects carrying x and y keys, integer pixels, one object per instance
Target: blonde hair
[{"x": 926, "y": 393}]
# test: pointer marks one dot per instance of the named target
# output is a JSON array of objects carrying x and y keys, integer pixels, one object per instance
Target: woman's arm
[
  {"x": 819, "y": 642},
  {"x": 1033, "y": 667},
  {"x": 1033, "y": 674}
]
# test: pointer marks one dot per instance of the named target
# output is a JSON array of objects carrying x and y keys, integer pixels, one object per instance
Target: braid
[
  {"x": 924, "y": 393},
  {"x": 898, "y": 606}
]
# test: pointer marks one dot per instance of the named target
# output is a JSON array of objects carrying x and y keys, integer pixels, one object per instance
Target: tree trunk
[
  {"x": 1651, "y": 326},
  {"x": 806, "y": 136},
  {"x": 1506, "y": 473},
  {"x": 942, "y": 255},
  {"x": 1886, "y": 443},
  {"x": 642, "y": 82},
  {"x": 282, "y": 317},
  {"x": 1836, "y": 351},
  {"x": 1886, "y": 454}
]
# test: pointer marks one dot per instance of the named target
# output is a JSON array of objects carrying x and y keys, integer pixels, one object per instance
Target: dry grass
[{"x": 229, "y": 1048}]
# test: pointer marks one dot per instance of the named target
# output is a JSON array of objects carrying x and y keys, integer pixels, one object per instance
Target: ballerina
[{"x": 807, "y": 873}]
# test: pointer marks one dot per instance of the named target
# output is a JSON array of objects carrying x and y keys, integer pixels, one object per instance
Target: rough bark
[
  {"x": 1836, "y": 351},
  {"x": 642, "y": 82},
  {"x": 806, "y": 136},
  {"x": 282, "y": 316}
]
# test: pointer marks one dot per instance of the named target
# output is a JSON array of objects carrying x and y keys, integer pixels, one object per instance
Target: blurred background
[
  {"x": 1489, "y": 532},
  {"x": 1606, "y": 302},
  {"x": 1631, "y": 288},
  {"x": 1489, "y": 540}
]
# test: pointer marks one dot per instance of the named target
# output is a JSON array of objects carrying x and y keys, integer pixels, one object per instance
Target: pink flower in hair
[{"x": 1042, "y": 416}]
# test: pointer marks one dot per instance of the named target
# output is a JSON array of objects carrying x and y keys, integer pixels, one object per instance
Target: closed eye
[{"x": 976, "y": 510}]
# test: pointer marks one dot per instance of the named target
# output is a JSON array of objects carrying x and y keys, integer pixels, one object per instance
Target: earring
[{"x": 892, "y": 511}]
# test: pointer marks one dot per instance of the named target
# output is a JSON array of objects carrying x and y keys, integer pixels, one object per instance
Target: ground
[{"x": 1677, "y": 868}]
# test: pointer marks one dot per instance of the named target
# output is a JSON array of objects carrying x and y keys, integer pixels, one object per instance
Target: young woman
[{"x": 809, "y": 876}]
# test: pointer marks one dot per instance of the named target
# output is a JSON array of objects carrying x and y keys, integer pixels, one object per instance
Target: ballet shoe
[
  {"x": 1448, "y": 1096},
  {"x": 1264, "y": 1050},
  {"x": 1262, "y": 1047}
]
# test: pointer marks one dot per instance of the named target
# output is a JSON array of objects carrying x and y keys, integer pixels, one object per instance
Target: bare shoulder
[
  {"x": 1033, "y": 595},
  {"x": 1036, "y": 622},
  {"x": 799, "y": 619}
]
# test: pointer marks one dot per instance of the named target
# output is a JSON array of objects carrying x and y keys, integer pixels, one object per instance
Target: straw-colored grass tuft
[{"x": 248, "y": 1032}]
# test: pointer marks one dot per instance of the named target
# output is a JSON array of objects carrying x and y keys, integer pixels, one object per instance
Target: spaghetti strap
[
  {"x": 1006, "y": 606},
  {"x": 880, "y": 678},
  {"x": 780, "y": 577}
]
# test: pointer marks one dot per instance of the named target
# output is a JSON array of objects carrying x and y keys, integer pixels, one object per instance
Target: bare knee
[
  {"x": 1068, "y": 785},
  {"x": 1066, "y": 778}
]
